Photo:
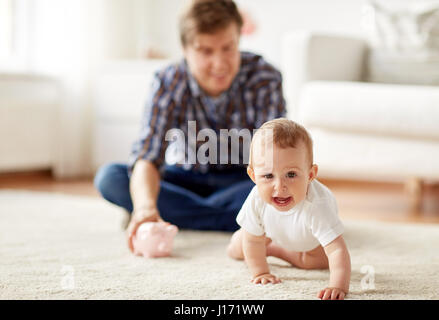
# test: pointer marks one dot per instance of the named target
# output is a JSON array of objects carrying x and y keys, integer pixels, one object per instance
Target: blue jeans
[{"x": 190, "y": 200}]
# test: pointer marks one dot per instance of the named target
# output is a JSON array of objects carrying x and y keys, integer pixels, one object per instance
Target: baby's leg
[
  {"x": 314, "y": 259},
  {"x": 234, "y": 250}
]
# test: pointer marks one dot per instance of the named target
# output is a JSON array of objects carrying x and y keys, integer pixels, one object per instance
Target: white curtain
[{"x": 69, "y": 40}]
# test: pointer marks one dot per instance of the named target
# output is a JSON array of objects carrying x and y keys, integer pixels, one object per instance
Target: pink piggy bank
[{"x": 154, "y": 239}]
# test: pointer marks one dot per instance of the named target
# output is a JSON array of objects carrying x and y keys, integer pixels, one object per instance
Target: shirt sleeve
[
  {"x": 324, "y": 222},
  {"x": 157, "y": 117},
  {"x": 270, "y": 101},
  {"x": 250, "y": 215}
]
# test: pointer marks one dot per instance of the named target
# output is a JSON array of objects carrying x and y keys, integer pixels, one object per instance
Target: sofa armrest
[{"x": 308, "y": 56}]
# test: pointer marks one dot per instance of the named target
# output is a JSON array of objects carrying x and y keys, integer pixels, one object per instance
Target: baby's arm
[
  {"x": 254, "y": 249},
  {"x": 340, "y": 270}
]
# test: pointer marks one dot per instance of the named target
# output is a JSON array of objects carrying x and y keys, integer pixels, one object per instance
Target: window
[
  {"x": 13, "y": 35},
  {"x": 6, "y": 28}
]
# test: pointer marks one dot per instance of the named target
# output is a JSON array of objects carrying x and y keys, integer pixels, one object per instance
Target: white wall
[
  {"x": 71, "y": 39},
  {"x": 162, "y": 25},
  {"x": 274, "y": 18}
]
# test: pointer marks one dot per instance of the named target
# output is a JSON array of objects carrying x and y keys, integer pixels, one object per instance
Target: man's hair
[
  {"x": 208, "y": 16},
  {"x": 286, "y": 134}
]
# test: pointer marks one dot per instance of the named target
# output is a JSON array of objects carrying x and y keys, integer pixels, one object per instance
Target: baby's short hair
[{"x": 286, "y": 133}]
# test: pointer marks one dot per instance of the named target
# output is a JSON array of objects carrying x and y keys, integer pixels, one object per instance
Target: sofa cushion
[
  {"x": 403, "y": 26},
  {"x": 341, "y": 155},
  {"x": 404, "y": 41},
  {"x": 390, "y": 67},
  {"x": 360, "y": 107}
]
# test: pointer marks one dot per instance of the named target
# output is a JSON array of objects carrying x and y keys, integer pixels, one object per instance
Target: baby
[{"x": 289, "y": 214}]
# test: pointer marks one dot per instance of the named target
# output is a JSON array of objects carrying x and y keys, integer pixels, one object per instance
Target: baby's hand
[
  {"x": 331, "y": 294},
  {"x": 265, "y": 278}
]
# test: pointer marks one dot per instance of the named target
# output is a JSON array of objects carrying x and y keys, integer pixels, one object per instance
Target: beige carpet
[{"x": 56, "y": 246}]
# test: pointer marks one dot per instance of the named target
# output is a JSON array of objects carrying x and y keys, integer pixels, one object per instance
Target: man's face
[
  {"x": 282, "y": 175},
  {"x": 214, "y": 59}
]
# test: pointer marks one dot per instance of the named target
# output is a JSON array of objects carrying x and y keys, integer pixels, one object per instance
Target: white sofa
[{"x": 361, "y": 130}]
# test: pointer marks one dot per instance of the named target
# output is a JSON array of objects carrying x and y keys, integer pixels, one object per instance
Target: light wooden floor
[{"x": 356, "y": 200}]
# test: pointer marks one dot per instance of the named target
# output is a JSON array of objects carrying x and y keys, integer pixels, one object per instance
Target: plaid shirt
[{"x": 254, "y": 97}]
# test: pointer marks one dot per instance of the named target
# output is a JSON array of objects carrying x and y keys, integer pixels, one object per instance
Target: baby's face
[{"x": 282, "y": 175}]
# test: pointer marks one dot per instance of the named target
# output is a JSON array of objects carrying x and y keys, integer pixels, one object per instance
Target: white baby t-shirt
[{"x": 308, "y": 224}]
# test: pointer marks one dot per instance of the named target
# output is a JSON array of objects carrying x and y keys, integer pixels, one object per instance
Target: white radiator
[{"x": 29, "y": 107}]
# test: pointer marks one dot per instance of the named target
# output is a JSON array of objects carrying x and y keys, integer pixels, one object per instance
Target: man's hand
[
  {"x": 140, "y": 216},
  {"x": 331, "y": 294},
  {"x": 144, "y": 190},
  {"x": 266, "y": 278}
]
